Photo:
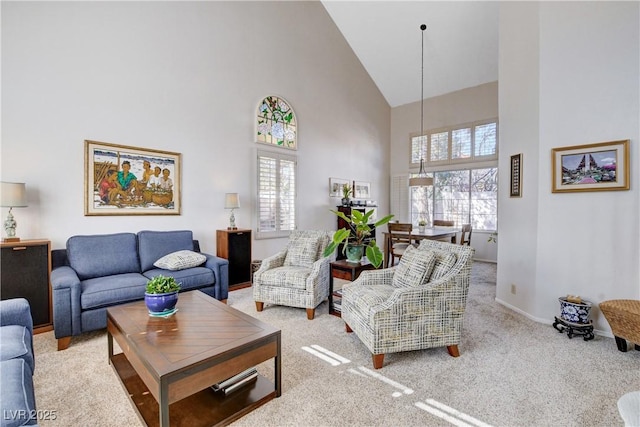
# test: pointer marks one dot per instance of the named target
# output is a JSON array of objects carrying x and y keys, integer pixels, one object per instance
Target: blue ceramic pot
[
  {"x": 354, "y": 253},
  {"x": 575, "y": 313},
  {"x": 158, "y": 303}
]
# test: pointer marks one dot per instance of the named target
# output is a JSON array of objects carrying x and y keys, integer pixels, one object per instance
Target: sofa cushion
[
  {"x": 190, "y": 278},
  {"x": 414, "y": 268},
  {"x": 153, "y": 245},
  {"x": 17, "y": 398},
  {"x": 180, "y": 260},
  {"x": 16, "y": 343},
  {"x": 103, "y": 255},
  {"x": 111, "y": 290},
  {"x": 291, "y": 277},
  {"x": 301, "y": 251},
  {"x": 444, "y": 263}
]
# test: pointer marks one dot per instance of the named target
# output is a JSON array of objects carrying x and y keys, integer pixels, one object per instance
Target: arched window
[{"x": 276, "y": 123}]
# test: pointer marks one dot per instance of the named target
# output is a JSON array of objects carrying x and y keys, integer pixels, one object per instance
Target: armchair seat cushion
[
  {"x": 18, "y": 397},
  {"x": 110, "y": 290},
  {"x": 287, "y": 277},
  {"x": 192, "y": 278},
  {"x": 16, "y": 344}
]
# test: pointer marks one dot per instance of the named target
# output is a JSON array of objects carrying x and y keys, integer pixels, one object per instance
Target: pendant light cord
[{"x": 422, "y": 27}]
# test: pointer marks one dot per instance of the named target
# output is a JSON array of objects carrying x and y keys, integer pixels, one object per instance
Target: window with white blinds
[
  {"x": 468, "y": 143},
  {"x": 276, "y": 194}
]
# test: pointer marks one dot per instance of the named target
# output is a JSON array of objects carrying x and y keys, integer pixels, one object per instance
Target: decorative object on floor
[
  {"x": 297, "y": 276},
  {"x": 592, "y": 167},
  {"x": 336, "y": 186},
  {"x": 574, "y": 317},
  {"x": 359, "y": 230},
  {"x": 516, "y": 175},
  {"x": 623, "y": 316},
  {"x": 276, "y": 124},
  {"x": 161, "y": 295},
  {"x": 14, "y": 195},
  {"x": 361, "y": 190},
  {"x": 232, "y": 201},
  {"x": 423, "y": 299},
  {"x": 123, "y": 180}
]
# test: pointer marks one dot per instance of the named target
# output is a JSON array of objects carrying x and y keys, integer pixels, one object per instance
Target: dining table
[{"x": 432, "y": 233}]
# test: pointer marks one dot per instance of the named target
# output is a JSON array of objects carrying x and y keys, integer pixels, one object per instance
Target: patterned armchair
[
  {"x": 298, "y": 276},
  {"x": 415, "y": 305}
]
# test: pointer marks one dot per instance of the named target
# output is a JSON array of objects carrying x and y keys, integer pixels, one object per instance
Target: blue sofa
[
  {"x": 99, "y": 271},
  {"x": 17, "y": 363}
]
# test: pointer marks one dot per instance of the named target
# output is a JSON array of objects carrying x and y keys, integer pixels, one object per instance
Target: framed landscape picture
[
  {"x": 361, "y": 190},
  {"x": 593, "y": 167},
  {"x": 123, "y": 180}
]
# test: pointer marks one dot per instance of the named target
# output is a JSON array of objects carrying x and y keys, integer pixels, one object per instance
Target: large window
[
  {"x": 276, "y": 194},
  {"x": 468, "y": 196}
]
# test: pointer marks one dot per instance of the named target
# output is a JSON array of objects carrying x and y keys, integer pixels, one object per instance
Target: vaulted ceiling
[{"x": 460, "y": 44}]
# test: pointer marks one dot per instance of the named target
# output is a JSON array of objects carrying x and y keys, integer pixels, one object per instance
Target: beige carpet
[{"x": 511, "y": 372}]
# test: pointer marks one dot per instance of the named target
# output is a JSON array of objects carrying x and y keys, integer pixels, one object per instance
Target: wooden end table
[
  {"x": 346, "y": 270},
  {"x": 168, "y": 364}
]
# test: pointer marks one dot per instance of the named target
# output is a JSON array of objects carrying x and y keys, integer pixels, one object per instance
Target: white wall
[
  {"x": 185, "y": 77},
  {"x": 463, "y": 106},
  {"x": 569, "y": 75}
]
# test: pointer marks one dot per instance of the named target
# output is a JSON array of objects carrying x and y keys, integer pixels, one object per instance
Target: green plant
[
  {"x": 493, "y": 237},
  {"x": 162, "y": 285},
  {"x": 346, "y": 191},
  {"x": 359, "y": 230},
  {"x": 422, "y": 223}
]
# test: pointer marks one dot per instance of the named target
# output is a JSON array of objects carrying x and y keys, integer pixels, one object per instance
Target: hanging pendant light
[{"x": 422, "y": 180}]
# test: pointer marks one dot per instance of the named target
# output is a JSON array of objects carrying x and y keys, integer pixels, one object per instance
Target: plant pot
[
  {"x": 421, "y": 228},
  {"x": 573, "y": 312},
  {"x": 161, "y": 303},
  {"x": 354, "y": 253},
  {"x": 345, "y": 201}
]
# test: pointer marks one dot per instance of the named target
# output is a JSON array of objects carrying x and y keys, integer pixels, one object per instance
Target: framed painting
[
  {"x": 361, "y": 190},
  {"x": 602, "y": 166},
  {"x": 335, "y": 186},
  {"x": 123, "y": 180},
  {"x": 516, "y": 176}
]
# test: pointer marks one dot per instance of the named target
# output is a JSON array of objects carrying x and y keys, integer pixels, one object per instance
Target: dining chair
[
  {"x": 399, "y": 239},
  {"x": 466, "y": 240},
  {"x": 445, "y": 223}
]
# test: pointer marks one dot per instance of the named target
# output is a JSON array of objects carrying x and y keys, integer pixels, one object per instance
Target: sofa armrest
[
  {"x": 220, "y": 268},
  {"x": 66, "y": 288},
  {"x": 16, "y": 311}
]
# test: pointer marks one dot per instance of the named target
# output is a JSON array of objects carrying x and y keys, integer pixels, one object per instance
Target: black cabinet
[
  {"x": 26, "y": 267},
  {"x": 235, "y": 245}
]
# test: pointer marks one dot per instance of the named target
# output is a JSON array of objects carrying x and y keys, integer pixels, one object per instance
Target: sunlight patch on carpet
[
  {"x": 449, "y": 414},
  {"x": 404, "y": 389},
  {"x": 326, "y": 355}
]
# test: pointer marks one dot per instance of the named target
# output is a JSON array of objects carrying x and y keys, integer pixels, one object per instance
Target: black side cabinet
[
  {"x": 26, "y": 268},
  {"x": 235, "y": 245}
]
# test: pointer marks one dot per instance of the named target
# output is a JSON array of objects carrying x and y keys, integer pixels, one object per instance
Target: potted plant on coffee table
[
  {"x": 354, "y": 237},
  {"x": 161, "y": 295}
]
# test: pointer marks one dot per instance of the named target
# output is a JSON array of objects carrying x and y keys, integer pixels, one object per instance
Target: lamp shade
[
  {"x": 231, "y": 201},
  {"x": 13, "y": 195},
  {"x": 420, "y": 181}
]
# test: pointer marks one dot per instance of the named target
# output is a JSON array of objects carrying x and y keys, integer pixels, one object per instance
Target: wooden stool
[{"x": 623, "y": 316}]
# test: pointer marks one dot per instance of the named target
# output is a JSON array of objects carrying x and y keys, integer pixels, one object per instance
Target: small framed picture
[
  {"x": 516, "y": 176},
  {"x": 361, "y": 190},
  {"x": 603, "y": 166},
  {"x": 335, "y": 186}
]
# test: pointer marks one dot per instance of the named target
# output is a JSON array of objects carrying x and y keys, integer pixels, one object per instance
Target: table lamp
[
  {"x": 12, "y": 195},
  {"x": 232, "y": 201}
]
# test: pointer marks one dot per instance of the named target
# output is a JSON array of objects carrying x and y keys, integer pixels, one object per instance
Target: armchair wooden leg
[
  {"x": 63, "y": 343},
  {"x": 224, "y": 301},
  {"x": 311, "y": 312},
  {"x": 621, "y": 343},
  {"x": 259, "y": 306},
  {"x": 453, "y": 350},
  {"x": 378, "y": 360},
  {"x": 347, "y": 328}
]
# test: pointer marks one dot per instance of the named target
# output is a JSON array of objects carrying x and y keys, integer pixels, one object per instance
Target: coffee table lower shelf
[{"x": 204, "y": 408}]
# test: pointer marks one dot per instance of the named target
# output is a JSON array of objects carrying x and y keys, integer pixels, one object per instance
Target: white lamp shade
[
  {"x": 420, "y": 181},
  {"x": 231, "y": 201},
  {"x": 13, "y": 195}
]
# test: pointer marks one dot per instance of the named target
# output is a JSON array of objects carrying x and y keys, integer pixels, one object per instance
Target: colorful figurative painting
[
  {"x": 276, "y": 123},
  {"x": 593, "y": 167},
  {"x": 122, "y": 180}
]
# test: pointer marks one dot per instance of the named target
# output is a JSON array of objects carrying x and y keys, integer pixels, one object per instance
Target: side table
[{"x": 346, "y": 270}]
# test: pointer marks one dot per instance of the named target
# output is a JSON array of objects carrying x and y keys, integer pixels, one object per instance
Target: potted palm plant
[
  {"x": 161, "y": 295},
  {"x": 354, "y": 237},
  {"x": 346, "y": 192}
]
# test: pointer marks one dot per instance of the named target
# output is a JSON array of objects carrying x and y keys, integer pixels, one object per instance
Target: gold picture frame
[
  {"x": 125, "y": 180},
  {"x": 603, "y": 166},
  {"x": 516, "y": 176}
]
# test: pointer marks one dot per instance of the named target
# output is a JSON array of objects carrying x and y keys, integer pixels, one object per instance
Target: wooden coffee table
[{"x": 168, "y": 364}]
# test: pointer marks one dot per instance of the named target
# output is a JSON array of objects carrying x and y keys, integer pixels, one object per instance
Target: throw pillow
[
  {"x": 302, "y": 251},
  {"x": 180, "y": 260},
  {"x": 414, "y": 268},
  {"x": 444, "y": 262}
]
